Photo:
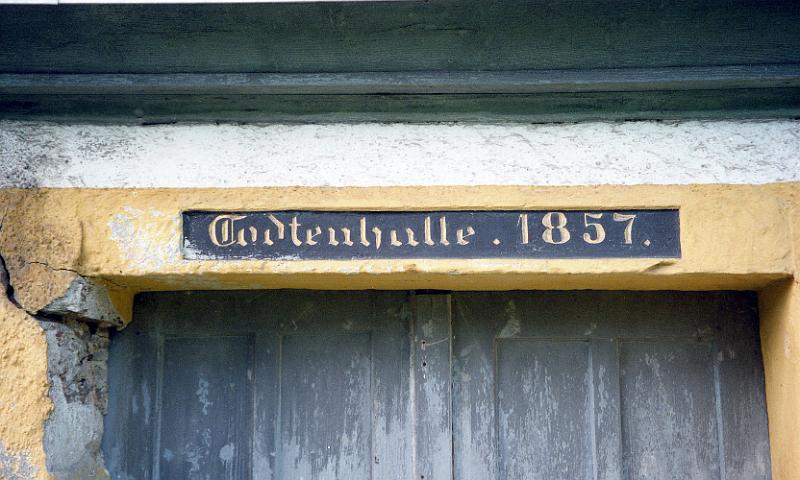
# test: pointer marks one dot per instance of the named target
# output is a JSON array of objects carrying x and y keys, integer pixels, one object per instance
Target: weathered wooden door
[
  {"x": 608, "y": 385},
  {"x": 267, "y": 385},
  {"x": 297, "y": 385}
]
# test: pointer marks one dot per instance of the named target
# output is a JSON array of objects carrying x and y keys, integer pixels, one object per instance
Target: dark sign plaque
[{"x": 325, "y": 235}]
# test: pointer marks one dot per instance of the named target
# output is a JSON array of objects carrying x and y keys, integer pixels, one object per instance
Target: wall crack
[
  {"x": 44, "y": 264},
  {"x": 77, "y": 354},
  {"x": 5, "y": 283}
]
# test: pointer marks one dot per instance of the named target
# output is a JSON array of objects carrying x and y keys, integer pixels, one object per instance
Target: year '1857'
[{"x": 298, "y": 235}]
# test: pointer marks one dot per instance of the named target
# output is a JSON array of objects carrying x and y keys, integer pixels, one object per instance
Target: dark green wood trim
[
  {"x": 546, "y": 107},
  {"x": 401, "y": 36},
  {"x": 368, "y": 83},
  {"x": 436, "y": 60}
]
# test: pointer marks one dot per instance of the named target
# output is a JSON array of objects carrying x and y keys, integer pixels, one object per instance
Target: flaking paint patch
[
  {"x": 512, "y": 327},
  {"x": 141, "y": 242},
  {"x": 226, "y": 454},
  {"x": 202, "y": 395}
]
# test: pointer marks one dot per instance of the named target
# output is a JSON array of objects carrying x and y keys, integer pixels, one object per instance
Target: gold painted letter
[
  {"x": 310, "y": 237},
  {"x": 428, "y": 236},
  {"x": 346, "y": 235},
  {"x": 411, "y": 240},
  {"x": 294, "y": 226},
  {"x": 377, "y": 232},
  {"x": 461, "y": 239},
  {"x": 443, "y": 231},
  {"x": 393, "y": 239},
  {"x": 278, "y": 224},
  {"x": 363, "y": 231},
  {"x": 523, "y": 225},
  {"x": 226, "y": 225},
  {"x": 621, "y": 217}
]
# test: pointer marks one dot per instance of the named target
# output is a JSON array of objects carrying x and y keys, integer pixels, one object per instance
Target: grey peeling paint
[
  {"x": 607, "y": 385},
  {"x": 385, "y": 385},
  {"x": 331, "y": 398}
]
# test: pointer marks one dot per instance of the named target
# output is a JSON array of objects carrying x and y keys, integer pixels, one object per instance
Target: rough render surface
[
  {"x": 138, "y": 233},
  {"x": 52, "y": 371},
  {"x": 53, "y": 393},
  {"x": 41, "y": 255},
  {"x": 780, "y": 339},
  {"x": 624, "y": 153},
  {"x": 24, "y": 401}
]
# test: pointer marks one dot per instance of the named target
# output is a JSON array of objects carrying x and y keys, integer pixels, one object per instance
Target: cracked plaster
[{"x": 48, "y": 430}]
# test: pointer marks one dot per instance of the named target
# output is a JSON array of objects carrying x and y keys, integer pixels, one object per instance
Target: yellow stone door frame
[{"x": 733, "y": 237}]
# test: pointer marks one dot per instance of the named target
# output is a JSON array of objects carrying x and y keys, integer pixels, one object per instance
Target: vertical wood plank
[
  {"x": 325, "y": 423},
  {"x": 129, "y": 427},
  {"x": 432, "y": 388},
  {"x": 391, "y": 395},
  {"x": 266, "y": 398},
  {"x": 544, "y": 398},
  {"x": 607, "y": 431},
  {"x": 474, "y": 386},
  {"x": 741, "y": 400},
  {"x": 669, "y": 415},
  {"x": 206, "y": 424}
]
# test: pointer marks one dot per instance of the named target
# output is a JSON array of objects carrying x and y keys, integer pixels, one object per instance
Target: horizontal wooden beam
[
  {"x": 369, "y": 83},
  {"x": 528, "y": 107},
  {"x": 527, "y": 60},
  {"x": 401, "y": 36}
]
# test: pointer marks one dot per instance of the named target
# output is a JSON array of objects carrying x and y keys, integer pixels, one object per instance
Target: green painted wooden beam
[
  {"x": 532, "y": 60},
  {"x": 368, "y": 83},
  {"x": 434, "y": 35},
  {"x": 543, "y": 107}
]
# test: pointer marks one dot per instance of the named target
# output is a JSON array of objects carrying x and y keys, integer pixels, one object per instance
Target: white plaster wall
[{"x": 56, "y": 155}]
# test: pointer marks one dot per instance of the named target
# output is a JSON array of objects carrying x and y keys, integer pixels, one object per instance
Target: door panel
[
  {"x": 544, "y": 409},
  {"x": 669, "y": 417},
  {"x": 270, "y": 385},
  {"x": 293, "y": 385},
  {"x": 325, "y": 409},
  {"x": 208, "y": 384},
  {"x": 607, "y": 385}
]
